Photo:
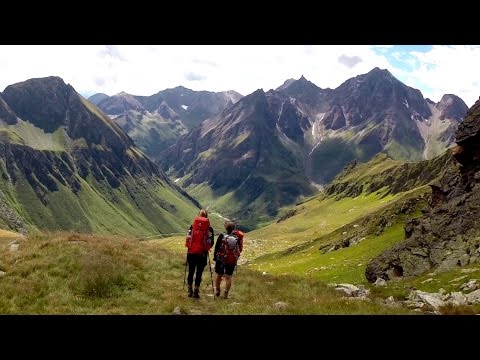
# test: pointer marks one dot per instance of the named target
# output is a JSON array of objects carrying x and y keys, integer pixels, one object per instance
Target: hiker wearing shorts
[{"x": 228, "y": 247}]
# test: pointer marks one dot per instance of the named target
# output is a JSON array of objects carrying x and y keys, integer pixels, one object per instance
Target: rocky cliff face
[{"x": 448, "y": 235}]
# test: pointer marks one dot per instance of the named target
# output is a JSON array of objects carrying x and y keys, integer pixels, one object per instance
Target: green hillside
[
  {"x": 93, "y": 209},
  {"x": 339, "y": 252},
  {"x": 150, "y": 132}
]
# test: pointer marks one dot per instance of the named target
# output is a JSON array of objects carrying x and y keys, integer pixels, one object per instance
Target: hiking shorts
[
  {"x": 221, "y": 268},
  {"x": 199, "y": 260}
]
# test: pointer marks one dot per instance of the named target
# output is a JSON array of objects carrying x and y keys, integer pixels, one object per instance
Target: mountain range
[
  {"x": 155, "y": 122},
  {"x": 273, "y": 148}
]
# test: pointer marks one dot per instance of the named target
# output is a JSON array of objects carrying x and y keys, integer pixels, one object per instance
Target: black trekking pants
[{"x": 196, "y": 263}]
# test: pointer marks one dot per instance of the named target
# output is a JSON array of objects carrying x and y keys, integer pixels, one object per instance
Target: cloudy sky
[{"x": 145, "y": 70}]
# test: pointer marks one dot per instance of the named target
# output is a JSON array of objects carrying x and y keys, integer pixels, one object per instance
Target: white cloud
[
  {"x": 145, "y": 70},
  {"x": 349, "y": 61},
  {"x": 190, "y": 76},
  {"x": 449, "y": 70}
]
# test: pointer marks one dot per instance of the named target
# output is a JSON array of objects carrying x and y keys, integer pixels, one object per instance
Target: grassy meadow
[{"x": 69, "y": 273}]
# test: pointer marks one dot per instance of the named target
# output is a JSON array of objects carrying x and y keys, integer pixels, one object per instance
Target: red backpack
[
  {"x": 198, "y": 242},
  {"x": 232, "y": 246}
]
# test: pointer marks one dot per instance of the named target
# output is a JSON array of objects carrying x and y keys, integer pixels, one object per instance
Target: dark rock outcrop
[{"x": 448, "y": 235}]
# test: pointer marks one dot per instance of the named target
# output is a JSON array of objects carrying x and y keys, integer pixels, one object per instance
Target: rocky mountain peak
[
  {"x": 233, "y": 96},
  {"x": 378, "y": 71},
  {"x": 42, "y": 101},
  {"x": 97, "y": 98},
  {"x": 120, "y": 103},
  {"x": 127, "y": 96},
  {"x": 300, "y": 86},
  {"x": 257, "y": 95},
  {"x": 380, "y": 75},
  {"x": 256, "y": 101},
  {"x": 286, "y": 84},
  {"x": 378, "y": 78},
  {"x": 452, "y": 107},
  {"x": 50, "y": 85},
  {"x": 50, "y": 104}
]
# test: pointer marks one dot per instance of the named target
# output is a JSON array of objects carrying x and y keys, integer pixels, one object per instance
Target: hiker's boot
[
  {"x": 196, "y": 295},
  {"x": 190, "y": 291},
  {"x": 225, "y": 295}
]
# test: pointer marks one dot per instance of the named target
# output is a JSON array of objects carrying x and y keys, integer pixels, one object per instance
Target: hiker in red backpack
[
  {"x": 228, "y": 247},
  {"x": 199, "y": 240}
]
